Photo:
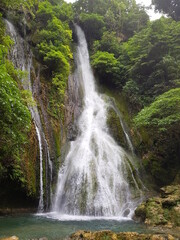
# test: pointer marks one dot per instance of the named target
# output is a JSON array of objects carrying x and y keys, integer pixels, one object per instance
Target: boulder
[
  {"x": 10, "y": 238},
  {"x": 163, "y": 210}
]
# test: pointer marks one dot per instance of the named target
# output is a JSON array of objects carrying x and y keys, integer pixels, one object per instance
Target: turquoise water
[{"x": 32, "y": 226}]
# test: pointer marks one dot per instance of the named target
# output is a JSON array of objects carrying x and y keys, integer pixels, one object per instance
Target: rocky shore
[
  {"x": 109, "y": 235},
  {"x": 163, "y": 210}
]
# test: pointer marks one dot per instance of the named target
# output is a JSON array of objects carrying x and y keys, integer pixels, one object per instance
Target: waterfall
[
  {"x": 41, "y": 200},
  {"x": 97, "y": 177},
  {"x": 24, "y": 62}
]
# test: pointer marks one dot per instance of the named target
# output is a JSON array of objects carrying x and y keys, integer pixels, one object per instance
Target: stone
[
  {"x": 163, "y": 210},
  {"x": 156, "y": 237},
  {"x": 109, "y": 235},
  {"x": 10, "y": 238},
  {"x": 170, "y": 237}
]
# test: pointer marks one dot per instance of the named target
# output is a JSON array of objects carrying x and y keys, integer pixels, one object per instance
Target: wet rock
[
  {"x": 170, "y": 237},
  {"x": 115, "y": 128},
  {"x": 73, "y": 106},
  {"x": 109, "y": 235},
  {"x": 10, "y": 238},
  {"x": 163, "y": 210}
]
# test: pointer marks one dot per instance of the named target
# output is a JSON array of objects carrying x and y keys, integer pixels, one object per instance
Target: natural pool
[{"x": 38, "y": 226}]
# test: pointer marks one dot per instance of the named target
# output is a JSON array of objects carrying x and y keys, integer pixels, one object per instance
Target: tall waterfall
[
  {"x": 96, "y": 178},
  {"x": 24, "y": 62}
]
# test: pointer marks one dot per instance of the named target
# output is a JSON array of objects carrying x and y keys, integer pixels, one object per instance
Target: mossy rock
[
  {"x": 109, "y": 235},
  {"x": 115, "y": 128},
  {"x": 140, "y": 212},
  {"x": 176, "y": 215},
  {"x": 163, "y": 210},
  {"x": 10, "y": 238}
]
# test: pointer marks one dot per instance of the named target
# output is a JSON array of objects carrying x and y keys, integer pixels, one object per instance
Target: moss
[
  {"x": 121, "y": 103},
  {"x": 30, "y": 163},
  {"x": 57, "y": 137},
  {"x": 175, "y": 215},
  {"x": 107, "y": 235},
  {"x": 123, "y": 106},
  {"x": 140, "y": 212},
  {"x": 115, "y": 128},
  {"x": 154, "y": 213},
  {"x": 164, "y": 210}
]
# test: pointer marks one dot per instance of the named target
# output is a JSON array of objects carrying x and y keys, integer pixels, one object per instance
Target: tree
[
  {"x": 106, "y": 66},
  {"x": 15, "y": 124},
  {"x": 161, "y": 123},
  {"x": 169, "y": 7},
  {"x": 108, "y": 43},
  {"x": 92, "y": 25},
  {"x": 163, "y": 113},
  {"x": 152, "y": 59},
  {"x": 123, "y": 17}
]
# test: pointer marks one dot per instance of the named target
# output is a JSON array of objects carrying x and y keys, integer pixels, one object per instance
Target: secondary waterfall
[
  {"x": 24, "y": 63},
  {"x": 96, "y": 178}
]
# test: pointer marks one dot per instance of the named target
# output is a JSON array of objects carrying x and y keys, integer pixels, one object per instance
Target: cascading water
[
  {"x": 17, "y": 55},
  {"x": 96, "y": 178},
  {"x": 41, "y": 200}
]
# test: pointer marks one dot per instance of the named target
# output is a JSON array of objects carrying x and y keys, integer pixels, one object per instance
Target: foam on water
[{"x": 65, "y": 217}]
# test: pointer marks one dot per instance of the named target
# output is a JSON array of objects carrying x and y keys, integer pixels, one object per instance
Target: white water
[
  {"x": 41, "y": 200},
  {"x": 25, "y": 64},
  {"x": 96, "y": 178},
  {"x": 66, "y": 217}
]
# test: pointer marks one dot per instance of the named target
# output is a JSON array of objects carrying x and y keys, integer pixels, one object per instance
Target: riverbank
[{"x": 107, "y": 235}]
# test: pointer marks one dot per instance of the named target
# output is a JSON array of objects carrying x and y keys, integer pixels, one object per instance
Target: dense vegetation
[
  {"x": 45, "y": 26},
  {"x": 15, "y": 124},
  {"x": 131, "y": 56},
  {"x": 52, "y": 38},
  {"x": 15, "y": 117}
]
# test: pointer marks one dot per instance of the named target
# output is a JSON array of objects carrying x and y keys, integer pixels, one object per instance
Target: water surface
[{"x": 37, "y": 226}]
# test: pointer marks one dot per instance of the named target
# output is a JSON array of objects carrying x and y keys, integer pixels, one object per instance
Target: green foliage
[
  {"x": 92, "y": 25},
  {"x": 17, "y": 4},
  {"x": 106, "y": 66},
  {"x": 163, "y": 113},
  {"x": 123, "y": 17},
  {"x": 106, "y": 25},
  {"x": 152, "y": 59},
  {"x": 132, "y": 91},
  {"x": 11, "y": 4},
  {"x": 135, "y": 19},
  {"x": 15, "y": 118},
  {"x": 52, "y": 41},
  {"x": 161, "y": 121},
  {"x": 108, "y": 43},
  {"x": 170, "y": 7},
  {"x": 15, "y": 121}
]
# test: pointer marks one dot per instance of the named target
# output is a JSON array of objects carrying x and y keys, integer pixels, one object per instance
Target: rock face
[
  {"x": 108, "y": 235},
  {"x": 73, "y": 106},
  {"x": 163, "y": 210},
  {"x": 115, "y": 128}
]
